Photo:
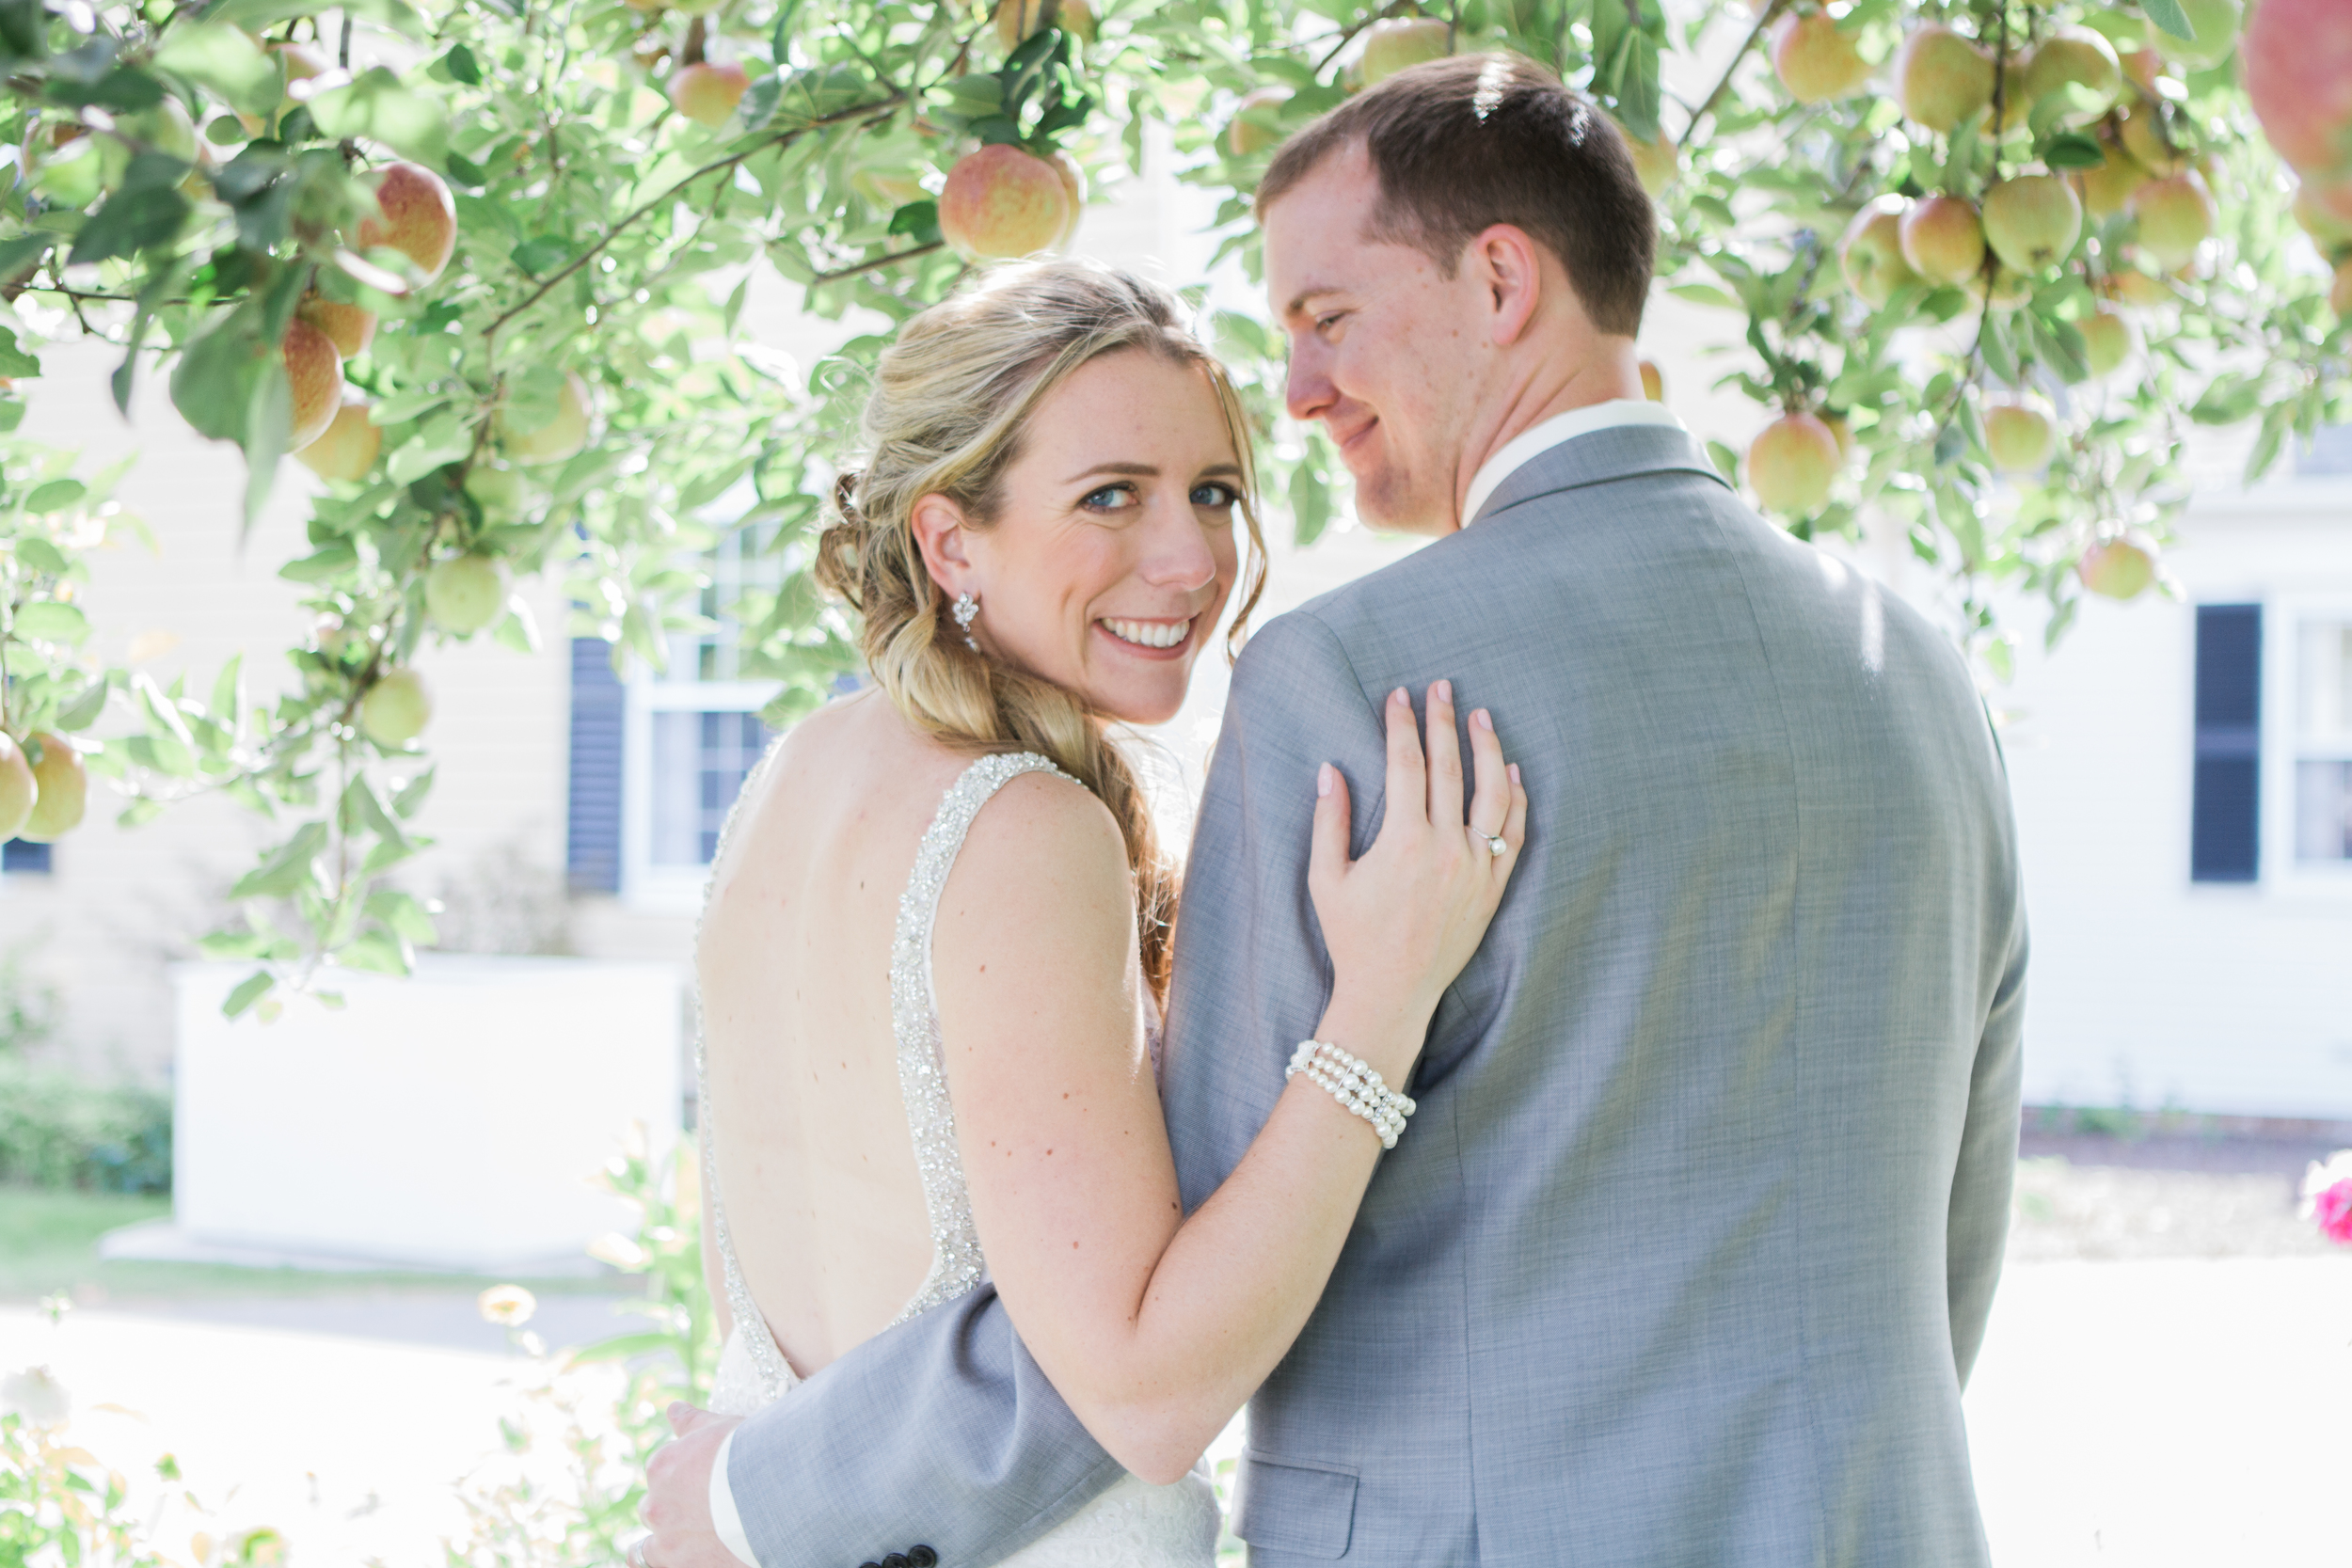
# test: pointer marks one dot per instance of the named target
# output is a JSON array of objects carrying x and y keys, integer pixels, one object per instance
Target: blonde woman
[{"x": 937, "y": 935}]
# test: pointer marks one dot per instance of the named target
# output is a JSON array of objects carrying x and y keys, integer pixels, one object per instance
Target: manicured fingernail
[
  {"x": 1483, "y": 719},
  {"x": 1515, "y": 772},
  {"x": 1443, "y": 691},
  {"x": 1323, "y": 780}
]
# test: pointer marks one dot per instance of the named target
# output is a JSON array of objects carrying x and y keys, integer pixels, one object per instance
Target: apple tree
[{"x": 479, "y": 265}]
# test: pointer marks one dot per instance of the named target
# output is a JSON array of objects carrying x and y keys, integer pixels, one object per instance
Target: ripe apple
[
  {"x": 347, "y": 448},
  {"x": 18, "y": 789},
  {"x": 1941, "y": 77},
  {"x": 2018, "y": 437},
  {"x": 314, "y": 373},
  {"x": 2145, "y": 138},
  {"x": 466, "y": 593},
  {"x": 562, "y": 436},
  {"x": 2107, "y": 189},
  {"x": 2143, "y": 66},
  {"x": 497, "y": 491},
  {"x": 2120, "y": 568},
  {"x": 1842, "y": 433},
  {"x": 2032, "y": 221},
  {"x": 2216, "y": 24},
  {"x": 1001, "y": 201},
  {"x": 1244, "y": 136},
  {"x": 64, "y": 790},
  {"x": 706, "y": 93},
  {"x": 2340, "y": 291},
  {"x": 1657, "y": 161},
  {"x": 2108, "y": 339},
  {"x": 396, "y": 708},
  {"x": 1942, "y": 240},
  {"x": 2132, "y": 286},
  {"x": 2295, "y": 62},
  {"x": 415, "y": 217},
  {"x": 1871, "y": 254},
  {"x": 2176, "y": 213},
  {"x": 350, "y": 328},
  {"x": 2332, "y": 233},
  {"x": 1792, "y": 462},
  {"x": 1653, "y": 381},
  {"x": 1073, "y": 185},
  {"x": 1814, "y": 60},
  {"x": 2081, "y": 57},
  {"x": 1392, "y": 45}
]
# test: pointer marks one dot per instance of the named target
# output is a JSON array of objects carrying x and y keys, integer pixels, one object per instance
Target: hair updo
[{"x": 951, "y": 399}]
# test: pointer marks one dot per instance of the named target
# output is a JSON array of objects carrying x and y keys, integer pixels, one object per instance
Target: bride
[{"x": 938, "y": 928}]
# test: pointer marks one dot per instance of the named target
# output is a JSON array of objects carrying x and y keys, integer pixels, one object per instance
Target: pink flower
[{"x": 2327, "y": 1196}]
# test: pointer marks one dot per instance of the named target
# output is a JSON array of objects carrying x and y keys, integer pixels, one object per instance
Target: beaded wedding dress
[{"x": 1134, "y": 1524}]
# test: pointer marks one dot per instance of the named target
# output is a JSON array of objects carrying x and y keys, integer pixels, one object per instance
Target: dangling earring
[{"x": 966, "y": 611}]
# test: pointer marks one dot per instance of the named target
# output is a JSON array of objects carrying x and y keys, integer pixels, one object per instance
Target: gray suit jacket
[{"x": 1686, "y": 1256}]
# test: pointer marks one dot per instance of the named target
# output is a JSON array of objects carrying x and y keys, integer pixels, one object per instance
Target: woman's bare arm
[{"x": 1155, "y": 1328}]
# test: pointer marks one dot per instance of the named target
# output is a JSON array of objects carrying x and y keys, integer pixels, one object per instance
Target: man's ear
[
  {"x": 1510, "y": 268},
  {"x": 940, "y": 535}
]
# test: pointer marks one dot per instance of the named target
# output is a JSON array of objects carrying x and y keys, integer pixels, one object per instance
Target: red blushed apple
[
  {"x": 708, "y": 93},
  {"x": 1871, "y": 255},
  {"x": 1792, "y": 462},
  {"x": 1401, "y": 42},
  {"x": 1941, "y": 77},
  {"x": 2018, "y": 438},
  {"x": 415, "y": 217},
  {"x": 2120, "y": 568},
  {"x": 1074, "y": 186},
  {"x": 2296, "y": 61},
  {"x": 2145, "y": 138},
  {"x": 2032, "y": 222},
  {"x": 1246, "y": 135},
  {"x": 1943, "y": 239},
  {"x": 350, "y": 328},
  {"x": 1814, "y": 60},
  {"x": 1657, "y": 161},
  {"x": 2107, "y": 189},
  {"x": 347, "y": 448},
  {"x": 314, "y": 374},
  {"x": 2177, "y": 214},
  {"x": 1001, "y": 201}
]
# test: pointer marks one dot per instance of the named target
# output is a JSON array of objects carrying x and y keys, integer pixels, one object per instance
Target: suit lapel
[{"x": 1620, "y": 451}]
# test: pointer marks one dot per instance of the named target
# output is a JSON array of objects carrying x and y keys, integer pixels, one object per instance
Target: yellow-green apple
[
  {"x": 708, "y": 91},
  {"x": 2131, "y": 286},
  {"x": 2075, "y": 56},
  {"x": 2145, "y": 138},
  {"x": 1792, "y": 462},
  {"x": 64, "y": 789},
  {"x": 1000, "y": 201},
  {"x": 2143, "y": 66},
  {"x": 349, "y": 327},
  {"x": 2119, "y": 568},
  {"x": 1943, "y": 239},
  {"x": 1814, "y": 60},
  {"x": 497, "y": 491},
  {"x": 1657, "y": 161},
  {"x": 1248, "y": 135},
  {"x": 1653, "y": 381},
  {"x": 2340, "y": 291},
  {"x": 396, "y": 708},
  {"x": 18, "y": 788},
  {"x": 74, "y": 172},
  {"x": 564, "y": 433},
  {"x": 2295, "y": 62},
  {"x": 415, "y": 217},
  {"x": 466, "y": 593},
  {"x": 2216, "y": 24},
  {"x": 348, "y": 447},
  {"x": 2018, "y": 437},
  {"x": 2332, "y": 233},
  {"x": 1393, "y": 45},
  {"x": 2107, "y": 189},
  {"x": 2108, "y": 339},
  {"x": 2177, "y": 214},
  {"x": 2010, "y": 288},
  {"x": 1076, "y": 17},
  {"x": 1941, "y": 77},
  {"x": 1018, "y": 19},
  {"x": 1073, "y": 185},
  {"x": 1842, "y": 433},
  {"x": 315, "y": 375},
  {"x": 1871, "y": 254},
  {"x": 2032, "y": 221}
]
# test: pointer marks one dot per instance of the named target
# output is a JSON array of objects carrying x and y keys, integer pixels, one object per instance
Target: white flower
[
  {"x": 508, "y": 1305},
  {"x": 36, "y": 1394},
  {"x": 2319, "y": 1177},
  {"x": 620, "y": 1251}
]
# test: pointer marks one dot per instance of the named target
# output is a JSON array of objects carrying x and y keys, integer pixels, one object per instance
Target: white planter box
[{"x": 452, "y": 1121}]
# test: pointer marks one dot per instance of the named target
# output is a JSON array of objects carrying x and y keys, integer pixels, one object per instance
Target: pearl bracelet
[{"x": 1352, "y": 1082}]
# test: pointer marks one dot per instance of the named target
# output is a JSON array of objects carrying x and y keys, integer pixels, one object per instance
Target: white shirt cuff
[{"x": 723, "y": 1517}]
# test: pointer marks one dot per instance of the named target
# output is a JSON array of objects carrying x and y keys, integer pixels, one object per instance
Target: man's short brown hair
[{"x": 1462, "y": 144}]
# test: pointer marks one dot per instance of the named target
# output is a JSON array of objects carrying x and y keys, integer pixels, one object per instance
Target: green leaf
[
  {"x": 289, "y": 870},
  {"x": 2168, "y": 15},
  {"x": 48, "y": 621},
  {"x": 403, "y": 914},
  {"x": 378, "y": 951},
  {"x": 324, "y": 564},
  {"x": 249, "y": 991},
  {"x": 225, "y": 60},
  {"x": 377, "y": 107},
  {"x": 15, "y": 363},
  {"x": 212, "y": 385},
  {"x": 2072, "y": 149},
  {"x": 83, "y": 711},
  {"x": 541, "y": 253},
  {"x": 134, "y": 218},
  {"x": 260, "y": 14},
  {"x": 56, "y": 495},
  {"x": 1704, "y": 294},
  {"x": 462, "y": 66}
]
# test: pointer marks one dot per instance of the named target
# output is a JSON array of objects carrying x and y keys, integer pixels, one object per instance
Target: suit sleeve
[
  {"x": 943, "y": 1432},
  {"x": 1978, "y": 1229}
]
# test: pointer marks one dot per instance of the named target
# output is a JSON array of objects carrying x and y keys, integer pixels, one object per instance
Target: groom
[{"x": 1688, "y": 1250}]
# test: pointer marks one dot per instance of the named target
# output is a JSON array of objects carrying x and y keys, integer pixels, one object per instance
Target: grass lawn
[{"x": 49, "y": 1243}]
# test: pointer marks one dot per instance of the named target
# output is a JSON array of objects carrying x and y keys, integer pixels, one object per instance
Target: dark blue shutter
[
  {"x": 20, "y": 855},
  {"x": 592, "y": 848},
  {"x": 2225, "y": 839}
]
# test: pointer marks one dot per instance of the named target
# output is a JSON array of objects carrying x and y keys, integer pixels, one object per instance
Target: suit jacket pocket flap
[{"x": 1294, "y": 1505}]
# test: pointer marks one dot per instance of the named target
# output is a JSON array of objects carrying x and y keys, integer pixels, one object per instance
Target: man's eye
[
  {"x": 1323, "y": 323},
  {"x": 1220, "y": 496},
  {"x": 1111, "y": 498}
]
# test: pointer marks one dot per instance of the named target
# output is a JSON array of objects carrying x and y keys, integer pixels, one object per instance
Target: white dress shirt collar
[{"x": 1537, "y": 440}]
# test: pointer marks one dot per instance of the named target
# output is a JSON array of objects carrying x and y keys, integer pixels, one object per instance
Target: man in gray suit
[{"x": 1690, "y": 1248}]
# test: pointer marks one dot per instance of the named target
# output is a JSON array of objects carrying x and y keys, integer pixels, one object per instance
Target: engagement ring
[{"x": 1495, "y": 845}]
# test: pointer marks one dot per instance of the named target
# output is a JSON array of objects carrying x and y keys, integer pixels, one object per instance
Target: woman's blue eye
[
  {"x": 1215, "y": 495},
  {"x": 1110, "y": 498}
]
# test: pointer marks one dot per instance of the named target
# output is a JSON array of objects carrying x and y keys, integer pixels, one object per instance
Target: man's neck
[{"x": 1544, "y": 392}]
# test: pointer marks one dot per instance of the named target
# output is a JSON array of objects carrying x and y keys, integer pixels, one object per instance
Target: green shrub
[{"x": 57, "y": 1130}]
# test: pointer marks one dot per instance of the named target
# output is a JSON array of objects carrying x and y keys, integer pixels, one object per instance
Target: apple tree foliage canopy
[{"x": 496, "y": 251}]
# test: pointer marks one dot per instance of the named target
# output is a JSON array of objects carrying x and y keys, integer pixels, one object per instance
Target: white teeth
[{"x": 1149, "y": 634}]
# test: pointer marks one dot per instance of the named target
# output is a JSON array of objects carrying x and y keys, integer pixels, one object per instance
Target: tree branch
[
  {"x": 1722, "y": 83},
  {"x": 875, "y": 264}
]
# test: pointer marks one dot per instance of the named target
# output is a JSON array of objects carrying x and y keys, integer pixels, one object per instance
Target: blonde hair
[{"x": 951, "y": 400}]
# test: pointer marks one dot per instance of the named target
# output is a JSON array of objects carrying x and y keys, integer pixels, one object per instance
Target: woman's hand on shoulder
[{"x": 1401, "y": 922}]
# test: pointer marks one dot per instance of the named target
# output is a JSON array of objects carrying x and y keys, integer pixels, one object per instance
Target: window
[
  {"x": 2323, "y": 740},
  {"x": 2327, "y": 455},
  {"x": 2225, "y": 839}
]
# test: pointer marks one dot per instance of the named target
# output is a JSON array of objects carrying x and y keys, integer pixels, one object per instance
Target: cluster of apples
[
  {"x": 2297, "y": 65},
  {"x": 44, "y": 788}
]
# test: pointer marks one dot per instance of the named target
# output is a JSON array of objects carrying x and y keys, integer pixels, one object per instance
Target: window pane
[
  {"x": 699, "y": 764},
  {"x": 2323, "y": 811},
  {"x": 2324, "y": 679}
]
